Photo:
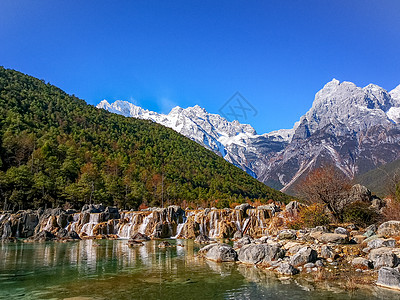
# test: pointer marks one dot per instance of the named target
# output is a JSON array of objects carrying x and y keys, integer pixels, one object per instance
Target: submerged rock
[
  {"x": 164, "y": 244},
  {"x": 140, "y": 237},
  {"x": 134, "y": 243}
]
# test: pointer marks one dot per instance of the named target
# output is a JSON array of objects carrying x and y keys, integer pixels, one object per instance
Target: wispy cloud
[{"x": 166, "y": 105}]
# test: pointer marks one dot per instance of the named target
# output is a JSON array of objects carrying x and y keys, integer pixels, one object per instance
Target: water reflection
[{"x": 104, "y": 269}]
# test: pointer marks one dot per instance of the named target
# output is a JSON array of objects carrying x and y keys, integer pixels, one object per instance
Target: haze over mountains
[{"x": 357, "y": 129}]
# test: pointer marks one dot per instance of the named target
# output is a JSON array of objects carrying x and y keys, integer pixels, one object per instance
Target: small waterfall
[
  {"x": 143, "y": 226},
  {"x": 179, "y": 228},
  {"x": 124, "y": 231},
  {"x": 73, "y": 226},
  {"x": 48, "y": 224},
  {"x": 170, "y": 222},
  {"x": 93, "y": 221}
]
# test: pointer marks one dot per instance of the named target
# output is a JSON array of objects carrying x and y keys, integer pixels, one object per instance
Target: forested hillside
[{"x": 56, "y": 149}]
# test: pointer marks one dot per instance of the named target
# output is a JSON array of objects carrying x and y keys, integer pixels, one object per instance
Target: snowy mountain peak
[
  {"x": 210, "y": 130},
  {"x": 352, "y": 127},
  {"x": 395, "y": 94}
]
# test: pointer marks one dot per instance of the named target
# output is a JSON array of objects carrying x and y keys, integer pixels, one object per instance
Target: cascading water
[
  {"x": 93, "y": 221},
  {"x": 158, "y": 223}
]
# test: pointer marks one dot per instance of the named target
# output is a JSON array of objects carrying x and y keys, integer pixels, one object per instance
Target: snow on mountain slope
[
  {"x": 354, "y": 128},
  {"x": 351, "y": 127},
  {"x": 232, "y": 140}
]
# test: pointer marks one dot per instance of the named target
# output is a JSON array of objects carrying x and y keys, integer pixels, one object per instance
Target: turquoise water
[{"x": 106, "y": 269}]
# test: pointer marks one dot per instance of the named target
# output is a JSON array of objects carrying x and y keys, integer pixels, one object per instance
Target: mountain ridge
[
  {"x": 344, "y": 123},
  {"x": 57, "y": 149}
]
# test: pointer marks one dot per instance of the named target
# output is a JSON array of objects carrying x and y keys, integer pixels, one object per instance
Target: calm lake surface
[{"x": 106, "y": 269}]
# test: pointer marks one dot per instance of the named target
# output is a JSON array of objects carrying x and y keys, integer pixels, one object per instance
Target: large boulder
[
  {"x": 243, "y": 207},
  {"x": 341, "y": 230},
  {"x": 286, "y": 269},
  {"x": 62, "y": 220},
  {"x": 260, "y": 253},
  {"x": 293, "y": 207},
  {"x": 93, "y": 208},
  {"x": 359, "y": 192},
  {"x": 303, "y": 256},
  {"x": 334, "y": 238},
  {"x": 389, "y": 228},
  {"x": 327, "y": 252},
  {"x": 389, "y": 277},
  {"x": 379, "y": 242},
  {"x": 361, "y": 263},
  {"x": 245, "y": 240},
  {"x": 64, "y": 234},
  {"x": 287, "y": 234},
  {"x": 111, "y": 213},
  {"x": 219, "y": 253},
  {"x": 383, "y": 257}
]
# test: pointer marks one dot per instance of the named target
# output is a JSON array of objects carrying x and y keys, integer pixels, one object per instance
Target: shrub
[
  {"x": 359, "y": 213},
  {"x": 310, "y": 216},
  {"x": 314, "y": 215}
]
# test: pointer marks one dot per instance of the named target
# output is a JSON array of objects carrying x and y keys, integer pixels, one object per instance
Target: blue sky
[{"x": 159, "y": 54}]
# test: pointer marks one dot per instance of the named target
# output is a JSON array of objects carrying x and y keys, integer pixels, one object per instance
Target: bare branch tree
[{"x": 326, "y": 185}]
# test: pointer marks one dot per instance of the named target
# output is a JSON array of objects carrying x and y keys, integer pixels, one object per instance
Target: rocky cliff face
[
  {"x": 350, "y": 127},
  {"x": 356, "y": 129}
]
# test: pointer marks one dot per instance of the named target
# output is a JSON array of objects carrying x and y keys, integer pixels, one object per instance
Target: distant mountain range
[{"x": 356, "y": 129}]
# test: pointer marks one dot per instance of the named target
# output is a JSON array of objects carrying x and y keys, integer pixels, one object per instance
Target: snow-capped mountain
[
  {"x": 354, "y": 128},
  {"x": 237, "y": 143}
]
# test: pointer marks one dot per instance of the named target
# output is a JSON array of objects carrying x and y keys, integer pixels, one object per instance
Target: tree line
[{"x": 56, "y": 149}]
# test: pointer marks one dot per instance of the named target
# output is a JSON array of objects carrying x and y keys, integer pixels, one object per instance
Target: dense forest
[{"x": 57, "y": 150}]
